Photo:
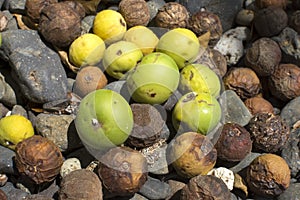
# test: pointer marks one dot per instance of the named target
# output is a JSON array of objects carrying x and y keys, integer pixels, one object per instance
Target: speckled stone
[
  {"x": 6, "y": 160},
  {"x": 155, "y": 189}
]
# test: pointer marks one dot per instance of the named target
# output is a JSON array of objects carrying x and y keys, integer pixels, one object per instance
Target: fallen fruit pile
[{"x": 135, "y": 99}]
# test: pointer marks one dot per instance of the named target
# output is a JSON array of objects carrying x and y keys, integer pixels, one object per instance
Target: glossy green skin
[
  {"x": 181, "y": 48},
  {"x": 199, "y": 112},
  {"x": 104, "y": 120},
  {"x": 154, "y": 80},
  {"x": 199, "y": 78}
]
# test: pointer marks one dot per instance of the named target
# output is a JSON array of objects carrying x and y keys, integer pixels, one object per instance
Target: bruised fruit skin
[
  {"x": 104, "y": 120},
  {"x": 192, "y": 154},
  {"x": 181, "y": 44},
  {"x": 154, "y": 79},
  {"x": 199, "y": 112},
  {"x": 121, "y": 57},
  {"x": 199, "y": 78},
  {"x": 109, "y": 25}
]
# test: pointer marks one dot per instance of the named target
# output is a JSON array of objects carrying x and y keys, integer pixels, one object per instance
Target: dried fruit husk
[
  {"x": 80, "y": 184},
  {"x": 234, "y": 143},
  {"x": 268, "y": 175},
  {"x": 60, "y": 23},
  {"x": 205, "y": 187},
  {"x": 90, "y": 6},
  {"x": 123, "y": 171},
  {"x": 285, "y": 82},
  {"x": 148, "y": 125},
  {"x": 267, "y": 3},
  {"x": 258, "y": 104},
  {"x": 269, "y": 132},
  {"x": 243, "y": 81},
  {"x": 33, "y": 8},
  {"x": 38, "y": 158}
]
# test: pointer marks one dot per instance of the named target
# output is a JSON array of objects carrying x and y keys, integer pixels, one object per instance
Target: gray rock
[
  {"x": 291, "y": 112},
  {"x": 12, "y": 23},
  {"x": 292, "y": 193},
  {"x": 137, "y": 196},
  {"x": 176, "y": 187},
  {"x": 153, "y": 6},
  {"x": 15, "y": 6},
  {"x": 245, "y": 162},
  {"x": 155, "y": 189},
  {"x": 87, "y": 24},
  {"x": 6, "y": 160},
  {"x": 1, "y": 3},
  {"x": 7, "y": 94},
  {"x": 38, "y": 69},
  {"x": 3, "y": 110},
  {"x": 226, "y": 9},
  {"x": 119, "y": 87},
  {"x": 13, "y": 193},
  {"x": 19, "y": 110},
  {"x": 58, "y": 129}
]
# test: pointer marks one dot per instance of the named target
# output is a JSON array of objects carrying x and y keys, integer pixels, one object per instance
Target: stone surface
[
  {"x": 292, "y": 193},
  {"x": 15, "y": 6},
  {"x": 19, "y": 110},
  {"x": 12, "y": 23},
  {"x": 37, "y": 68},
  {"x": 6, "y": 160},
  {"x": 13, "y": 193},
  {"x": 58, "y": 128},
  {"x": 119, "y": 87},
  {"x": 87, "y": 24},
  {"x": 291, "y": 112},
  {"x": 7, "y": 94},
  {"x": 69, "y": 165},
  {"x": 245, "y": 162},
  {"x": 137, "y": 196},
  {"x": 155, "y": 189},
  {"x": 176, "y": 187}
]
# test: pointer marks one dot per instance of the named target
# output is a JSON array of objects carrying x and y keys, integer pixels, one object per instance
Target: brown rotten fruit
[
  {"x": 267, "y": 3},
  {"x": 258, "y": 104},
  {"x": 33, "y": 8},
  {"x": 268, "y": 175},
  {"x": 191, "y": 154},
  {"x": 38, "y": 158}
]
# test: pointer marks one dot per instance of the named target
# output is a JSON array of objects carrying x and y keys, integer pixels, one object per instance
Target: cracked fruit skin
[
  {"x": 109, "y": 25},
  {"x": 88, "y": 49},
  {"x": 14, "y": 129},
  {"x": 120, "y": 57},
  {"x": 104, "y": 120},
  {"x": 181, "y": 44},
  {"x": 154, "y": 79},
  {"x": 199, "y": 78},
  {"x": 199, "y": 112},
  {"x": 143, "y": 37}
]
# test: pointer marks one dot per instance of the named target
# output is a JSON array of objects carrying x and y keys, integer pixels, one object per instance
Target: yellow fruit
[
  {"x": 14, "y": 129},
  {"x": 87, "y": 49},
  {"x": 109, "y": 25},
  {"x": 143, "y": 37}
]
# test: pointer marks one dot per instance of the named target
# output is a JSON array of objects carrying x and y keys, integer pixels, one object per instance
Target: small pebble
[
  {"x": 19, "y": 110},
  {"x": 225, "y": 174},
  {"x": 244, "y": 17},
  {"x": 292, "y": 193},
  {"x": 13, "y": 193},
  {"x": 155, "y": 189},
  {"x": 176, "y": 187},
  {"x": 6, "y": 160},
  {"x": 69, "y": 165}
]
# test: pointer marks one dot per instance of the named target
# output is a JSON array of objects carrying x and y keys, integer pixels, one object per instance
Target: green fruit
[
  {"x": 199, "y": 78},
  {"x": 120, "y": 57},
  {"x": 181, "y": 44},
  {"x": 154, "y": 79},
  {"x": 199, "y": 112},
  {"x": 104, "y": 120}
]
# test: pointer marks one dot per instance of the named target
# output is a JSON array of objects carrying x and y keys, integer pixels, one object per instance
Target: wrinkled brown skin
[
  {"x": 267, "y": 3},
  {"x": 147, "y": 128},
  {"x": 192, "y": 154},
  {"x": 268, "y": 131},
  {"x": 285, "y": 82},
  {"x": 38, "y": 158},
  {"x": 81, "y": 184},
  {"x": 234, "y": 143},
  {"x": 205, "y": 187},
  {"x": 33, "y": 8},
  {"x": 243, "y": 81},
  {"x": 268, "y": 175},
  {"x": 263, "y": 56},
  {"x": 172, "y": 15},
  {"x": 294, "y": 21},
  {"x": 135, "y": 12},
  {"x": 123, "y": 171},
  {"x": 258, "y": 104},
  {"x": 60, "y": 23},
  {"x": 203, "y": 21}
]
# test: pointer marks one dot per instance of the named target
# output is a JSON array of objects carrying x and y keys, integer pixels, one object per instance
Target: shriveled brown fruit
[
  {"x": 243, "y": 81},
  {"x": 269, "y": 132},
  {"x": 172, "y": 15},
  {"x": 147, "y": 128},
  {"x": 90, "y": 6},
  {"x": 80, "y": 184},
  {"x": 285, "y": 82},
  {"x": 38, "y": 158},
  {"x": 205, "y": 187},
  {"x": 202, "y": 22},
  {"x": 33, "y": 8},
  {"x": 268, "y": 175},
  {"x": 234, "y": 143},
  {"x": 88, "y": 79},
  {"x": 258, "y": 104},
  {"x": 60, "y": 23},
  {"x": 135, "y": 12},
  {"x": 294, "y": 21},
  {"x": 270, "y": 21},
  {"x": 123, "y": 171},
  {"x": 263, "y": 56},
  {"x": 191, "y": 154},
  {"x": 267, "y": 3}
]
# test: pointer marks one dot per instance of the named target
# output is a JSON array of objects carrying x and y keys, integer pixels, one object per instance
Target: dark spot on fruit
[
  {"x": 152, "y": 95},
  {"x": 119, "y": 52},
  {"x": 122, "y": 23},
  {"x": 189, "y": 97},
  {"x": 191, "y": 75}
]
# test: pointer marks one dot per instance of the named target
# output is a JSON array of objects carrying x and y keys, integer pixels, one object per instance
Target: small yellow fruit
[
  {"x": 14, "y": 129},
  {"x": 143, "y": 37},
  {"x": 109, "y": 25},
  {"x": 87, "y": 49}
]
